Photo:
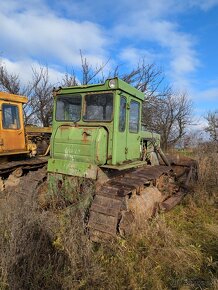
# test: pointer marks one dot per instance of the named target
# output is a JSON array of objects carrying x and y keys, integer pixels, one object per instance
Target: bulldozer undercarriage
[
  {"x": 122, "y": 203},
  {"x": 12, "y": 171}
]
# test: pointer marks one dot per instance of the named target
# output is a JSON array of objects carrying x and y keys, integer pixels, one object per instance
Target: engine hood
[{"x": 80, "y": 144}]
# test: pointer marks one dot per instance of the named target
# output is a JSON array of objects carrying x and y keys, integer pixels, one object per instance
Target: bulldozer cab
[
  {"x": 12, "y": 135},
  {"x": 95, "y": 126}
]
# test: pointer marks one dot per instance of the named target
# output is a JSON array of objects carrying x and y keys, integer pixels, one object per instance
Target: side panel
[{"x": 12, "y": 136}]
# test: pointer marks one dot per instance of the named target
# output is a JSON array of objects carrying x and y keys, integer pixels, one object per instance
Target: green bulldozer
[{"x": 97, "y": 136}]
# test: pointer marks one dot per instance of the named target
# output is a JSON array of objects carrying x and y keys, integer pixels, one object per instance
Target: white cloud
[
  {"x": 178, "y": 46},
  {"x": 209, "y": 95},
  {"x": 133, "y": 55},
  {"x": 203, "y": 4},
  {"x": 199, "y": 123},
  {"x": 24, "y": 70},
  {"x": 28, "y": 32},
  {"x": 35, "y": 29}
]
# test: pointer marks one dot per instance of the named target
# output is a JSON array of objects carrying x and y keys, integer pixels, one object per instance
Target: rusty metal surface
[
  {"x": 181, "y": 160},
  {"x": 24, "y": 164},
  {"x": 12, "y": 97},
  {"x": 34, "y": 130},
  {"x": 111, "y": 199},
  {"x": 15, "y": 152},
  {"x": 172, "y": 201}
]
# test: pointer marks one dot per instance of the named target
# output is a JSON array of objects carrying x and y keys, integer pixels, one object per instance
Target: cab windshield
[
  {"x": 98, "y": 107},
  {"x": 69, "y": 108}
]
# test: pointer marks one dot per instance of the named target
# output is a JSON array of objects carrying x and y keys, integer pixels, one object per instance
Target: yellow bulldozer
[{"x": 22, "y": 148}]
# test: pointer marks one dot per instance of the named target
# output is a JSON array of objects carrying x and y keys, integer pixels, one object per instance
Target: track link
[{"x": 111, "y": 202}]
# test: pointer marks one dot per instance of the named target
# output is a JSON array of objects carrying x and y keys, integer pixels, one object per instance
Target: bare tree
[
  {"x": 9, "y": 82},
  {"x": 87, "y": 74},
  {"x": 38, "y": 110},
  {"x": 163, "y": 111},
  {"x": 90, "y": 74},
  {"x": 69, "y": 80},
  {"x": 168, "y": 115},
  {"x": 212, "y": 127},
  {"x": 192, "y": 139},
  {"x": 40, "y": 97},
  {"x": 146, "y": 78}
]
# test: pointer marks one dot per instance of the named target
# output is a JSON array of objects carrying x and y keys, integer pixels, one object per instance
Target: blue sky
[{"x": 180, "y": 36}]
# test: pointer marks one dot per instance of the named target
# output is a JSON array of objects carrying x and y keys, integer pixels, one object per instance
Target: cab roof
[
  {"x": 118, "y": 84},
  {"x": 13, "y": 98}
]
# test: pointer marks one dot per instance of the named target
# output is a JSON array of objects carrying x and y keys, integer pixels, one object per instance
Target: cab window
[
  {"x": 69, "y": 108},
  {"x": 98, "y": 107},
  {"x": 10, "y": 117},
  {"x": 122, "y": 118},
  {"x": 134, "y": 115}
]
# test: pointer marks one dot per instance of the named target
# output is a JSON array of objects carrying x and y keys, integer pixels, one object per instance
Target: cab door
[
  {"x": 12, "y": 136},
  {"x": 121, "y": 129},
  {"x": 133, "y": 129},
  {"x": 127, "y": 133}
]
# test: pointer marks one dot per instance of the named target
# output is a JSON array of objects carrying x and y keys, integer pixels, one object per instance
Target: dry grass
[
  {"x": 48, "y": 249},
  {"x": 155, "y": 259},
  {"x": 44, "y": 249}
]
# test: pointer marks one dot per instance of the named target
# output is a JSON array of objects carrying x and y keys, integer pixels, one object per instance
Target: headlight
[{"x": 112, "y": 83}]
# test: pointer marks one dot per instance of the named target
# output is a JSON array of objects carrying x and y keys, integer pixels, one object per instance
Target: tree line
[{"x": 165, "y": 110}]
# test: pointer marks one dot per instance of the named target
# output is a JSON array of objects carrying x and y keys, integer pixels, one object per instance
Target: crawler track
[
  {"x": 28, "y": 184},
  {"x": 128, "y": 199},
  {"x": 11, "y": 172},
  {"x": 27, "y": 164}
]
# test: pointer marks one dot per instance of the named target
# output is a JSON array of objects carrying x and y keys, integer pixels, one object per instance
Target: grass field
[{"x": 177, "y": 250}]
